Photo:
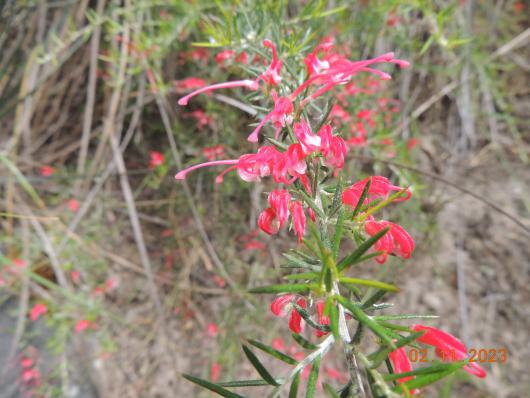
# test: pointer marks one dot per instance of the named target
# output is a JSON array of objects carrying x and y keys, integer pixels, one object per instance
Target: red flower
[
  {"x": 73, "y": 205},
  {"x": 282, "y": 305},
  {"x": 448, "y": 347},
  {"x": 212, "y": 329},
  {"x": 38, "y": 310},
  {"x": 396, "y": 240},
  {"x": 309, "y": 141},
  {"x": 323, "y": 320},
  {"x": 223, "y": 56},
  {"x": 46, "y": 171},
  {"x": 268, "y": 222},
  {"x": 333, "y": 148},
  {"x": 215, "y": 371},
  {"x": 82, "y": 325},
  {"x": 214, "y": 152},
  {"x": 401, "y": 364},
  {"x": 279, "y": 116},
  {"x": 299, "y": 219},
  {"x": 272, "y": 75},
  {"x": 380, "y": 188},
  {"x": 156, "y": 159},
  {"x": 189, "y": 83},
  {"x": 279, "y": 201},
  {"x": 202, "y": 119},
  {"x": 278, "y": 344}
]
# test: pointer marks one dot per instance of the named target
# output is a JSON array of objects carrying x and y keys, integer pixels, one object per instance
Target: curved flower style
[
  {"x": 380, "y": 188},
  {"x": 340, "y": 71},
  {"x": 271, "y": 76},
  {"x": 448, "y": 347},
  {"x": 401, "y": 364},
  {"x": 279, "y": 116},
  {"x": 396, "y": 240},
  {"x": 282, "y": 305}
]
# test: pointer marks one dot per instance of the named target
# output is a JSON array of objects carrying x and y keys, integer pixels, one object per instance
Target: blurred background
[{"x": 115, "y": 278}]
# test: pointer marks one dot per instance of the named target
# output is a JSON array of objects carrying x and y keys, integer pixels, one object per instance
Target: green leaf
[
  {"x": 313, "y": 376},
  {"x": 363, "y": 248},
  {"x": 330, "y": 391},
  {"x": 337, "y": 236},
  {"x": 275, "y": 353},
  {"x": 359, "y": 314},
  {"x": 288, "y": 288},
  {"x": 369, "y": 282},
  {"x": 380, "y": 355},
  {"x": 425, "y": 380},
  {"x": 333, "y": 312},
  {"x": 302, "y": 275},
  {"x": 244, "y": 383},
  {"x": 212, "y": 387},
  {"x": 434, "y": 369},
  {"x": 263, "y": 372},
  {"x": 362, "y": 198},
  {"x": 293, "y": 391},
  {"x": 303, "y": 342},
  {"x": 301, "y": 263}
]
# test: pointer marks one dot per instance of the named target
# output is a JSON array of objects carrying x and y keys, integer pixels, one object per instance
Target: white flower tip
[
  {"x": 385, "y": 76},
  {"x": 181, "y": 175},
  {"x": 183, "y": 101}
]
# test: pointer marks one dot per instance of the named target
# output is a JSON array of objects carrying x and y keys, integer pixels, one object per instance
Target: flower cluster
[{"x": 300, "y": 158}]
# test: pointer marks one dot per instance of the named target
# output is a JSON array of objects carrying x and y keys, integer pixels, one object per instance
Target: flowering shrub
[{"x": 325, "y": 208}]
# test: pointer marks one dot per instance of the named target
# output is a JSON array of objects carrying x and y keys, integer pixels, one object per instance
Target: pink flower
[
  {"x": 38, "y": 310},
  {"x": 214, "y": 152},
  {"x": 31, "y": 377},
  {"x": 333, "y": 148},
  {"x": 268, "y": 222},
  {"x": 279, "y": 116},
  {"x": 223, "y": 56},
  {"x": 401, "y": 364},
  {"x": 155, "y": 159},
  {"x": 26, "y": 363},
  {"x": 279, "y": 201},
  {"x": 82, "y": 325},
  {"x": 299, "y": 219},
  {"x": 272, "y": 75},
  {"x": 189, "y": 83},
  {"x": 412, "y": 143},
  {"x": 282, "y": 305},
  {"x": 73, "y": 205},
  {"x": 338, "y": 112},
  {"x": 76, "y": 276},
  {"x": 309, "y": 141},
  {"x": 396, "y": 240},
  {"x": 220, "y": 282},
  {"x": 278, "y": 344},
  {"x": 380, "y": 188},
  {"x": 47, "y": 171},
  {"x": 340, "y": 71},
  {"x": 323, "y": 320},
  {"x": 215, "y": 371},
  {"x": 202, "y": 119},
  {"x": 242, "y": 57},
  {"x": 212, "y": 329},
  {"x": 448, "y": 347}
]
